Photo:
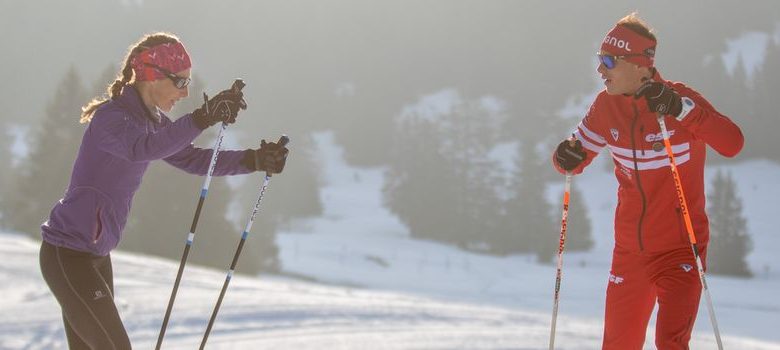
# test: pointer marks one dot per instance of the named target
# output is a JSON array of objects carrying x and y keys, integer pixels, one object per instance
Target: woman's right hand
[{"x": 223, "y": 107}]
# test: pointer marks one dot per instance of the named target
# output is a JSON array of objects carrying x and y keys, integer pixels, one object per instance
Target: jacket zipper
[{"x": 638, "y": 180}]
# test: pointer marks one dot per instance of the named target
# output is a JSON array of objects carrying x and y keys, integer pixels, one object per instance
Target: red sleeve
[
  {"x": 589, "y": 132},
  {"x": 708, "y": 125}
]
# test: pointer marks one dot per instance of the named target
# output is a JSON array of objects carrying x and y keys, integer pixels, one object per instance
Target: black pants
[{"x": 83, "y": 284}]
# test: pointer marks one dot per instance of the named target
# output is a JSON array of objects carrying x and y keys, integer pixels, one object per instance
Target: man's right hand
[{"x": 569, "y": 154}]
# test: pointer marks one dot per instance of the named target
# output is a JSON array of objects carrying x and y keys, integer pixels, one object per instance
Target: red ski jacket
[{"x": 648, "y": 218}]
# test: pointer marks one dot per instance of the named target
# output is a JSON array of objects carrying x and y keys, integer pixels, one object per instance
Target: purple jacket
[{"x": 116, "y": 149}]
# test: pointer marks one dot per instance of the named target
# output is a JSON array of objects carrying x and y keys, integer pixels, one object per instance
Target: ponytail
[
  {"x": 113, "y": 91},
  {"x": 125, "y": 76}
]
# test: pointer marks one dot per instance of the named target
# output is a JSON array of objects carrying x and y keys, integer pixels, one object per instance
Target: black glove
[
  {"x": 270, "y": 157},
  {"x": 221, "y": 108},
  {"x": 660, "y": 98},
  {"x": 568, "y": 156}
]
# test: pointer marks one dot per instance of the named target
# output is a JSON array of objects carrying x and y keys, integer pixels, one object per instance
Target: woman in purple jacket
[{"x": 125, "y": 133}]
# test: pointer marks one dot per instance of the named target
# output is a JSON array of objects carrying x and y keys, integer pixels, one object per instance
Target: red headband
[
  {"x": 622, "y": 41},
  {"x": 169, "y": 56}
]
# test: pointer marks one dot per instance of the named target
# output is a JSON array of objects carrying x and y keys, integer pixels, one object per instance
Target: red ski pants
[{"x": 636, "y": 282}]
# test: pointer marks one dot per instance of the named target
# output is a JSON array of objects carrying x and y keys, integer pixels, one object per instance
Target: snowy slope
[
  {"x": 274, "y": 313},
  {"x": 358, "y": 242},
  {"x": 405, "y": 294},
  {"x": 266, "y": 313}
]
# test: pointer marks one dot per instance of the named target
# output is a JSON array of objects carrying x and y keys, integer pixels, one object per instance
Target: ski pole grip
[
  {"x": 238, "y": 85},
  {"x": 283, "y": 141}
]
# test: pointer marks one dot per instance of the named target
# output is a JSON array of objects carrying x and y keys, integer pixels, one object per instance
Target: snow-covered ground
[
  {"x": 358, "y": 242},
  {"x": 266, "y": 313},
  {"x": 396, "y": 292}
]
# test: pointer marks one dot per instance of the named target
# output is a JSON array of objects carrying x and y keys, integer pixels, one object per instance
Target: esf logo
[
  {"x": 622, "y": 44},
  {"x": 657, "y": 137}
]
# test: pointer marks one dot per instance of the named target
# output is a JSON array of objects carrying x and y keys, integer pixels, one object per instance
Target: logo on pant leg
[
  {"x": 686, "y": 267},
  {"x": 98, "y": 294},
  {"x": 615, "y": 279}
]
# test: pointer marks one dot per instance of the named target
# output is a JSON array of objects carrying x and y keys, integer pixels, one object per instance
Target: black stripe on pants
[{"x": 83, "y": 284}]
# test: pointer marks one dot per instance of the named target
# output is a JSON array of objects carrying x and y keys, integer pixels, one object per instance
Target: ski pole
[
  {"x": 282, "y": 142},
  {"x": 238, "y": 84},
  {"x": 561, "y": 241},
  {"x": 689, "y": 227}
]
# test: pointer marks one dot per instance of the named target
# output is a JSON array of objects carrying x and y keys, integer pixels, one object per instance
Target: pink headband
[
  {"x": 169, "y": 56},
  {"x": 622, "y": 41}
]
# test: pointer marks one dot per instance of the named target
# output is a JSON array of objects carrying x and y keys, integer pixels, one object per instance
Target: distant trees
[
  {"x": 444, "y": 185},
  {"x": 528, "y": 216},
  {"x": 5, "y": 161},
  {"x": 729, "y": 239},
  {"x": 760, "y": 125},
  {"x": 43, "y": 176},
  {"x": 748, "y": 99},
  {"x": 440, "y": 181},
  {"x": 532, "y": 219}
]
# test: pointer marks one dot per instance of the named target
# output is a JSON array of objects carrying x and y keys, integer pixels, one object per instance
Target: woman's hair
[
  {"x": 637, "y": 25},
  {"x": 125, "y": 75}
]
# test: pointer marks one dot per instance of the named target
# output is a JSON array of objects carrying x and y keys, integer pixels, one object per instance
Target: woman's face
[
  {"x": 624, "y": 78},
  {"x": 165, "y": 94}
]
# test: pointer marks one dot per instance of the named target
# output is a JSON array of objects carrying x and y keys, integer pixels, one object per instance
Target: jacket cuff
[
  {"x": 248, "y": 161},
  {"x": 199, "y": 120}
]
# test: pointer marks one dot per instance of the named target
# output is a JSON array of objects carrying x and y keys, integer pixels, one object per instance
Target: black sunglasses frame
[{"x": 178, "y": 82}]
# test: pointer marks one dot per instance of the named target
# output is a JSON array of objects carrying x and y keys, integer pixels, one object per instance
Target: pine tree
[
  {"x": 417, "y": 168},
  {"x": 440, "y": 182},
  {"x": 5, "y": 164},
  {"x": 716, "y": 85},
  {"x": 762, "y": 126},
  {"x": 468, "y": 136},
  {"x": 528, "y": 214},
  {"x": 43, "y": 177},
  {"x": 729, "y": 240}
]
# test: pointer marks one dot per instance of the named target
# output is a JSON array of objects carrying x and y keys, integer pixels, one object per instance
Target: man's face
[{"x": 624, "y": 78}]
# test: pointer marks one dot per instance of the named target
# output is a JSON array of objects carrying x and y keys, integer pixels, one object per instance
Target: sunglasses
[
  {"x": 178, "y": 82},
  {"x": 610, "y": 61}
]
